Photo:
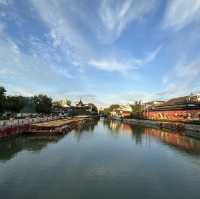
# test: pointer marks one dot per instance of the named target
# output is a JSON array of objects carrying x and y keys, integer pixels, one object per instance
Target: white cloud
[
  {"x": 111, "y": 65},
  {"x": 182, "y": 80},
  {"x": 57, "y": 15},
  {"x": 116, "y": 15},
  {"x": 34, "y": 68},
  {"x": 120, "y": 64},
  {"x": 180, "y": 13}
]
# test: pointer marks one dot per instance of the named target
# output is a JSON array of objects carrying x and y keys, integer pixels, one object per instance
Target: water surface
[{"x": 104, "y": 160}]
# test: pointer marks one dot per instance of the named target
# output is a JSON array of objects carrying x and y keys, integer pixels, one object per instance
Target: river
[{"x": 106, "y": 159}]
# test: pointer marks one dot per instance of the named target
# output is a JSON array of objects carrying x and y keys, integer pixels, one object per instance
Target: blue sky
[{"x": 104, "y": 51}]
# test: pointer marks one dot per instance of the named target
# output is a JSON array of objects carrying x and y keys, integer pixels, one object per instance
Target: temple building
[{"x": 84, "y": 109}]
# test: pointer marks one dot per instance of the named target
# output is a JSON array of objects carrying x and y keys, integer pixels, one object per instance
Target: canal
[{"x": 106, "y": 159}]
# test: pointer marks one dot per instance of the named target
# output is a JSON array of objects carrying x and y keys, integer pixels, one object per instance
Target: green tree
[
  {"x": 137, "y": 110},
  {"x": 108, "y": 110},
  {"x": 14, "y": 103},
  {"x": 43, "y": 104},
  {"x": 93, "y": 107},
  {"x": 69, "y": 102},
  {"x": 2, "y": 99},
  {"x": 114, "y": 106},
  {"x": 29, "y": 106}
]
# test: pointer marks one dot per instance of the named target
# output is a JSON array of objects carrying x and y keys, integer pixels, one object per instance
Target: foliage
[
  {"x": 69, "y": 102},
  {"x": 29, "y": 106},
  {"x": 94, "y": 108},
  {"x": 43, "y": 104},
  {"x": 57, "y": 104},
  {"x": 137, "y": 110},
  {"x": 2, "y": 99},
  {"x": 108, "y": 110},
  {"x": 114, "y": 106},
  {"x": 14, "y": 103}
]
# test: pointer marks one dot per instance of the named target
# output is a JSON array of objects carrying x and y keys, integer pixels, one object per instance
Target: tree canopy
[
  {"x": 43, "y": 104},
  {"x": 2, "y": 99},
  {"x": 14, "y": 103}
]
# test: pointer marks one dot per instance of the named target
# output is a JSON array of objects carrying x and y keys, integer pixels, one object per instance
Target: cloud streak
[
  {"x": 118, "y": 64},
  {"x": 182, "y": 79},
  {"x": 34, "y": 68},
  {"x": 180, "y": 13},
  {"x": 116, "y": 15}
]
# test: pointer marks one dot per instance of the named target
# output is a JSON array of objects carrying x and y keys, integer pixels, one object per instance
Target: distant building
[
  {"x": 148, "y": 105},
  {"x": 62, "y": 106},
  {"x": 184, "y": 109},
  {"x": 83, "y": 109},
  {"x": 185, "y": 102},
  {"x": 124, "y": 111},
  {"x": 62, "y": 103}
]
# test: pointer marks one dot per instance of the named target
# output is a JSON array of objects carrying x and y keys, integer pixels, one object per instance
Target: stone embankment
[
  {"x": 17, "y": 126},
  {"x": 192, "y": 130},
  {"x": 40, "y": 125}
]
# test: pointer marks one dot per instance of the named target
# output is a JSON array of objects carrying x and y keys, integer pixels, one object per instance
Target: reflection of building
[
  {"x": 141, "y": 134},
  {"x": 175, "y": 139},
  {"x": 177, "y": 109},
  {"x": 124, "y": 111},
  {"x": 119, "y": 128}
]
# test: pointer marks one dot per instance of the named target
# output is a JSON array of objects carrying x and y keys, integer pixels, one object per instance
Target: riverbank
[
  {"x": 191, "y": 130},
  {"x": 48, "y": 125},
  {"x": 60, "y": 126}
]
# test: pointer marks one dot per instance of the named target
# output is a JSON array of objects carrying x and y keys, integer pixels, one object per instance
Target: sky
[{"x": 102, "y": 51}]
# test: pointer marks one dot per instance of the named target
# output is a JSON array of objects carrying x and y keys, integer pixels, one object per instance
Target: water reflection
[
  {"x": 139, "y": 134},
  {"x": 110, "y": 160},
  {"x": 10, "y": 148},
  {"x": 81, "y": 130},
  {"x": 35, "y": 143},
  {"x": 89, "y": 126},
  {"x": 175, "y": 139}
]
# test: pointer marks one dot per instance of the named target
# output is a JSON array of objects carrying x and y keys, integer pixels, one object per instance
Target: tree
[
  {"x": 68, "y": 102},
  {"x": 137, "y": 110},
  {"x": 14, "y": 103},
  {"x": 93, "y": 108},
  {"x": 29, "y": 106},
  {"x": 43, "y": 104},
  {"x": 114, "y": 106},
  {"x": 108, "y": 110},
  {"x": 2, "y": 99}
]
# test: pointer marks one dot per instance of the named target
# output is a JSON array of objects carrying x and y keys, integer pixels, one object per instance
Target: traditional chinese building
[
  {"x": 181, "y": 109},
  {"x": 84, "y": 109}
]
